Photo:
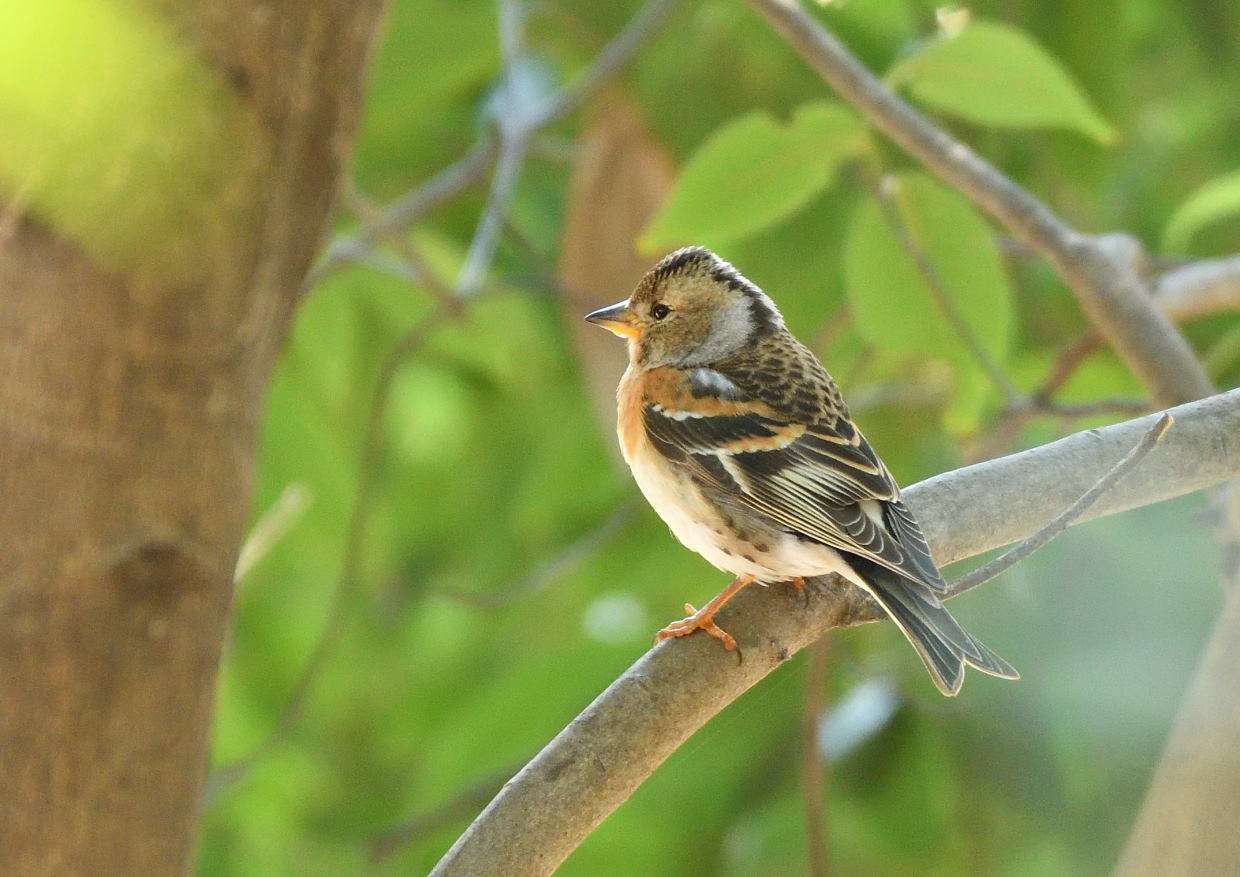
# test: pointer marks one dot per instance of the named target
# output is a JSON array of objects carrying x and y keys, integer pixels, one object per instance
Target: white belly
[
  {"x": 682, "y": 508},
  {"x": 679, "y": 505}
]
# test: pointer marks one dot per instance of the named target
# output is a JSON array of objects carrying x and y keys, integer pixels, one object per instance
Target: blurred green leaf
[
  {"x": 420, "y": 104},
  {"x": 996, "y": 75},
  {"x": 118, "y": 132},
  {"x": 1217, "y": 199},
  {"x": 895, "y": 307},
  {"x": 753, "y": 172}
]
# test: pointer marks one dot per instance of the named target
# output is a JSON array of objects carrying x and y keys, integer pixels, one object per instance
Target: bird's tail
[{"x": 944, "y": 646}]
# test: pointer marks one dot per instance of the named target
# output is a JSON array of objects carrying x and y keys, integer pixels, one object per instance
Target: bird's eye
[{"x": 659, "y": 311}]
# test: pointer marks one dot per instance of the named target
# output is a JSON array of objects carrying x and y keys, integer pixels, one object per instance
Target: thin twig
[
  {"x": 346, "y": 582},
  {"x": 486, "y": 235},
  {"x": 286, "y": 511},
  {"x": 1187, "y": 291},
  {"x": 460, "y": 806},
  {"x": 1031, "y": 408},
  {"x": 610, "y": 60},
  {"x": 1077, "y": 410},
  {"x": 1040, "y": 402},
  {"x": 1066, "y": 364},
  {"x": 813, "y": 767},
  {"x": 925, "y": 266},
  {"x": 577, "y": 551},
  {"x": 1068, "y": 516},
  {"x": 408, "y": 209},
  {"x": 470, "y": 169},
  {"x": 515, "y": 130},
  {"x": 1104, "y": 279}
]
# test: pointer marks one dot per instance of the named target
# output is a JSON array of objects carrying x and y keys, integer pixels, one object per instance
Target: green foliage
[
  {"x": 509, "y": 571},
  {"x": 996, "y": 75},
  {"x": 1216, "y": 200},
  {"x": 754, "y": 172},
  {"x": 904, "y": 308},
  {"x": 117, "y": 133}
]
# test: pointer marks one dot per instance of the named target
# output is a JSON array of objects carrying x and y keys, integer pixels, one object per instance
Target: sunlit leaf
[
  {"x": 1216, "y": 200},
  {"x": 996, "y": 75},
  {"x": 753, "y": 172},
  {"x": 895, "y": 307},
  {"x": 118, "y": 133}
]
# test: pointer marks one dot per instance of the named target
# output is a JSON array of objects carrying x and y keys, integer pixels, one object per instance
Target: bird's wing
[{"x": 815, "y": 475}]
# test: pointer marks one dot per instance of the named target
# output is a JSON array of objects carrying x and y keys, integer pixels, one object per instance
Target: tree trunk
[
  {"x": 139, "y": 318},
  {"x": 1190, "y": 821}
]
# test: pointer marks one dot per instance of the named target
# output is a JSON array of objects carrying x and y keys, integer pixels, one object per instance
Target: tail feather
[{"x": 943, "y": 645}]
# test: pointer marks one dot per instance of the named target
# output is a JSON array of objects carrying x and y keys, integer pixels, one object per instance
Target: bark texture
[{"x": 130, "y": 395}]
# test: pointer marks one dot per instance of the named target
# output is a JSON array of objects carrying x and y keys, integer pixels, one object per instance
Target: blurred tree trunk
[
  {"x": 137, "y": 331},
  {"x": 1190, "y": 822}
]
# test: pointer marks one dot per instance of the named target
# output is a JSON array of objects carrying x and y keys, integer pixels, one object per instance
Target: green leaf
[
  {"x": 896, "y": 309},
  {"x": 753, "y": 172},
  {"x": 996, "y": 75},
  {"x": 1217, "y": 199},
  {"x": 118, "y": 132}
]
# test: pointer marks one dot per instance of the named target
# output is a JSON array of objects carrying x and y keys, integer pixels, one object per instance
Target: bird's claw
[{"x": 697, "y": 620}]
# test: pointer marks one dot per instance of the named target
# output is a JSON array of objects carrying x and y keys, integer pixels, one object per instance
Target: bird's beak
[{"x": 617, "y": 319}]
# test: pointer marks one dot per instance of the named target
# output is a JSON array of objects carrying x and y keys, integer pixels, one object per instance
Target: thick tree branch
[
  {"x": 1068, "y": 516},
  {"x": 1103, "y": 278},
  {"x": 1199, "y": 288},
  {"x": 597, "y": 762}
]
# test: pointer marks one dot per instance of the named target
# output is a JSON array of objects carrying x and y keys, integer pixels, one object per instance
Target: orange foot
[
  {"x": 704, "y": 618},
  {"x": 798, "y": 582}
]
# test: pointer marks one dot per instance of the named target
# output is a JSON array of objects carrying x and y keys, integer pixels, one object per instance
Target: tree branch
[
  {"x": 924, "y": 264},
  {"x": 472, "y": 167},
  {"x": 597, "y": 762},
  {"x": 347, "y": 581},
  {"x": 1068, "y": 516},
  {"x": 515, "y": 131},
  {"x": 458, "y": 807},
  {"x": 1104, "y": 279},
  {"x": 1199, "y": 288}
]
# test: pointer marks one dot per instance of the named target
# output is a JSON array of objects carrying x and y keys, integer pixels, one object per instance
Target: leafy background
[{"x": 506, "y": 570}]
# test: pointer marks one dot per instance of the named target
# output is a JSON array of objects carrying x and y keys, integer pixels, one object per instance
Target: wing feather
[{"x": 822, "y": 480}]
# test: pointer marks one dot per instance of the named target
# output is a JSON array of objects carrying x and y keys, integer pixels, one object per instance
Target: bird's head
[{"x": 692, "y": 309}]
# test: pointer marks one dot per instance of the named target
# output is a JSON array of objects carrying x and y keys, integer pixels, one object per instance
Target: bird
[{"x": 743, "y": 444}]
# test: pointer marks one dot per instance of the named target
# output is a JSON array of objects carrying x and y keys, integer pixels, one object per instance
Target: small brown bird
[{"x": 742, "y": 442}]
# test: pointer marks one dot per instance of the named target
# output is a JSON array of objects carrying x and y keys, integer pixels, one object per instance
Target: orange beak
[{"x": 617, "y": 319}]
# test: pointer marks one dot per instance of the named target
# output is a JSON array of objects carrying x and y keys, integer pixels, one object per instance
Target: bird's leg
[
  {"x": 704, "y": 618},
  {"x": 798, "y": 582}
]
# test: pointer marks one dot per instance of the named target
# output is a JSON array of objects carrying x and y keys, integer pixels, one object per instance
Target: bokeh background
[{"x": 449, "y": 562}]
